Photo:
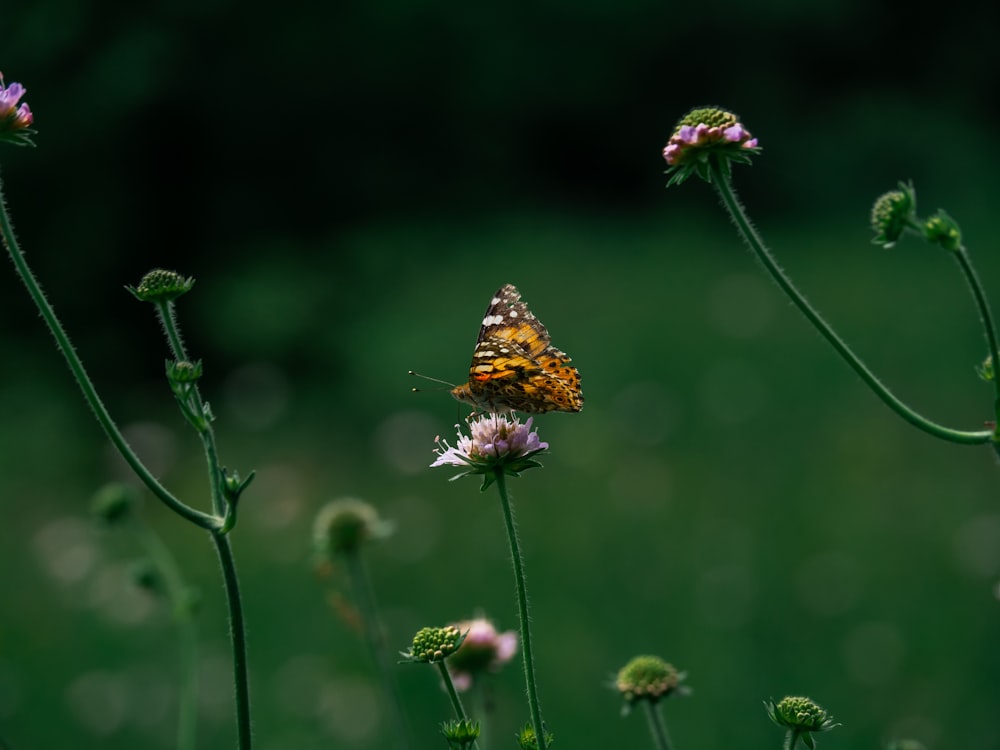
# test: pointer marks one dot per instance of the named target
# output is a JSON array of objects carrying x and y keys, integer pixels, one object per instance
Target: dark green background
[{"x": 349, "y": 182}]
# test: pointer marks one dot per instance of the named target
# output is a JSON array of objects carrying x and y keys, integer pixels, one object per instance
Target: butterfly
[{"x": 514, "y": 365}]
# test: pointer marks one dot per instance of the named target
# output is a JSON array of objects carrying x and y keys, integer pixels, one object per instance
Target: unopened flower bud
[
  {"x": 183, "y": 371},
  {"x": 647, "y": 678},
  {"x": 161, "y": 286},
  {"x": 893, "y": 213},
  {"x": 434, "y": 644},
  {"x": 942, "y": 230},
  {"x": 985, "y": 370},
  {"x": 343, "y": 525},
  {"x": 527, "y": 740},
  {"x": 460, "y": 733},
  {"x": 801, "y": 717}
]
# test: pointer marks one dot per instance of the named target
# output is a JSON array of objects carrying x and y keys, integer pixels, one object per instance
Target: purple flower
[
  {"x": 15, "y": 120},
  {"x": 495, "y": 442},
  {"x": 687, "y": 138},
  {"x": 705, "y": 135},
  {"x": 483, "y": 650}
]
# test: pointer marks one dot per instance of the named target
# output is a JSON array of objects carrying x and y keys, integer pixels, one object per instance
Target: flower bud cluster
[
  {"x": 648, "y": 678},
  {"x": 434, "y": 644},
  {"x": 159, "y": 286},
  {"x": 343, "y": 525}
]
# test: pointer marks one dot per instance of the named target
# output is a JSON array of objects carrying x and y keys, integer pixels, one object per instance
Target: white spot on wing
[
  {"x": 513, "y": 313},
  {"x": 492, "y": 320}
]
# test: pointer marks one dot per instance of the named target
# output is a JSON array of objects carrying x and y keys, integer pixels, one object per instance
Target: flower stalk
[
  {"x": 657, "y": 726},
  {"x": 522, "y": 609},
  {"x": 45, "y": 309},
  {"x": 179, "y": 596},
  {"x": 364, "y": 597},
  {"x": 989, "y": 326},
  {"x": 723, "y": 185}
]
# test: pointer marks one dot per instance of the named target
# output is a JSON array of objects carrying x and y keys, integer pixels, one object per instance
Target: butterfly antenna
[{"x": 445, "y": 383}]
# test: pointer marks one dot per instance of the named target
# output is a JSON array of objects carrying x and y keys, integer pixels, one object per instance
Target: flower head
[
  {"x": 527, "y": 739},
  {"x": 801, "y": 716},
  {"x": 495, "y": 442},
  {"x": 707, "y": 137},
  {"x": 893, "y": 213},
  {"x": 648, "y": 678},
  {"x": 15, "y": 119},
  {"x": 483, "y": 650},
  {"x": 943, "y": 230},
  {"x": 343, "y": 525},
  {"x": 985, "y": 370},
  {"x": 434, "y": 644},
  {"x": 460, "y": 733},
  {"x": 159, "y": 286}
]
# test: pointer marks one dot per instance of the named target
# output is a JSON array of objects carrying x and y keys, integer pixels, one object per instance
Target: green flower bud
[
  {"x": 893, "y": 213},
  {"x": 801, "y": 717},
  {"x": 183, "y": 372},
  {"x": 114, "y": 502},
  {"x": 647, "y": 678},
  {"x": 527, "y": 740},
  {"x": 342, "y": 525},
  {"x": 985, "y": 370},
  {"x": 161, "y": 286},
  {"x": 460, "y": 733},
  {"x": 941, "y": 229},
  {"x": 434, "y": 644}
]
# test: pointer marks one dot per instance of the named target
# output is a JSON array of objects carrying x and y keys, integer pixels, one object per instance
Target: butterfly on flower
[{"x": 514, "y": 365}]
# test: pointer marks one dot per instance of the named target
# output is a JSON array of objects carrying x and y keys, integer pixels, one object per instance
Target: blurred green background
[{"x": 350, "y": 182}]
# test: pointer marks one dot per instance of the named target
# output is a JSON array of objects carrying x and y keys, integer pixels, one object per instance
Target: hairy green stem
[
  {"x": 178, "y": 595},
  {"x": 199, "y": 416},
  {"x": 456, "y": 701},
  {"x": 238, "y": 638},
  {"x": 724, "y": 187},
  {"x": 522, "y": 610},
  {"x": 989, "y": 327},
  {"x": 202, "y": 420},
  {"x": 657, "y": 726},
  {"x": 364, "y": 597},
  {"x": 75, "y": 365}
]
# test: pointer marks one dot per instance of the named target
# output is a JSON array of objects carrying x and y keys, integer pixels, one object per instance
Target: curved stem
[
  {"x": 723, "y": 185},
  {"x": 75, "y": 365},
  {"x": 238, "y": 638},
  {"x": 989, "y": 327},
  {"x": 365, "y": 600},
  {"x": 178, "y": 596},
  {"x": 522, "y": 610},
  {"x": 657, "y": 726}
]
